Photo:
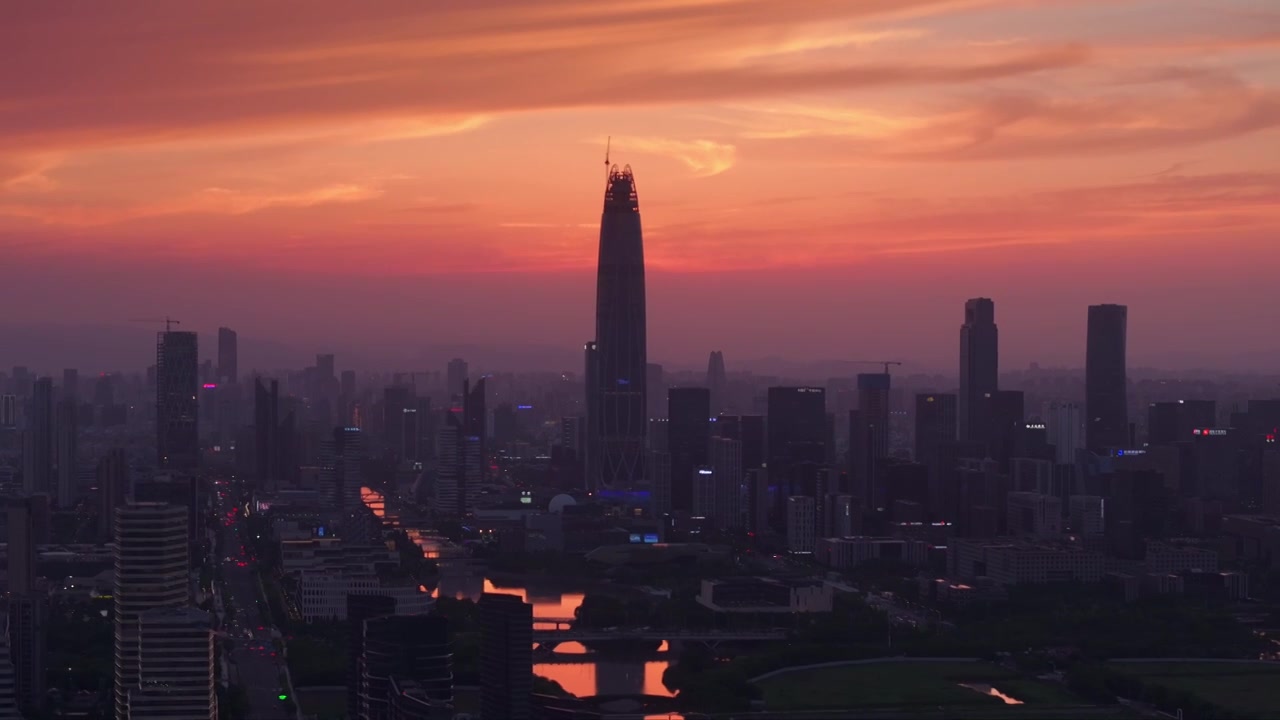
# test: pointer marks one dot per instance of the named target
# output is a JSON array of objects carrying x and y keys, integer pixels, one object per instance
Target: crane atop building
[{"x": 885, "y": 363}]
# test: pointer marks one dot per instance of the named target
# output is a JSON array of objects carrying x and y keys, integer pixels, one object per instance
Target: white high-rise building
[
  {"x": 801, "y": 530},
  {"x": 152, "y": 573},
  {"x": 175, "y": 667},
  {"x": 1065, "y": 423}
]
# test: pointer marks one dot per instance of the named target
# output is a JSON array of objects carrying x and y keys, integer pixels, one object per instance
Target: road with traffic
[{"x": 258, "y": 665}]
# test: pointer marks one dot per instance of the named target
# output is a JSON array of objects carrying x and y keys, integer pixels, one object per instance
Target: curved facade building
[{"x": 616, "y": 392}]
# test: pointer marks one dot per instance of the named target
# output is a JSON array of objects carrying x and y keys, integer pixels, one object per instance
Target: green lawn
[
  {"x": 904, "y": 684},
  {"x": 1250, "y": 690}
]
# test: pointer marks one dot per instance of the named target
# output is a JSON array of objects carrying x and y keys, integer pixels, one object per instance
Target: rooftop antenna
[{"x": 607, "y": 146}]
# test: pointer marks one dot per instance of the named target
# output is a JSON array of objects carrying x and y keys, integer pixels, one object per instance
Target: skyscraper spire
[{"x": 616, "y": 388}]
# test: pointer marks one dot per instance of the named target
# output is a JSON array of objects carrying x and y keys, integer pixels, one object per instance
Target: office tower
[
  {"x": 797, "y": 433},
  {"x": 801, "y": 530},
  {"x": 591, "y": 402},
  {"x": 266, "y": 407},
  {"x": 1064, "y": 422},
  {"x": 410, "y": 436},
  {"x": 228, "y": 356},
  {"x": 152, "y": 572},
  {"x": 68, "y": 475},
  {"x": 688, "y": 432},
  {"x": 325, "y": 367},
  {"x": 979, "y": 366},
  {"x": 658, "y": 468},
  {"x": 475, "y": 432},
  {"x": 758, "y": 501},
  {"x": 341, "y": 476},
  {"x": 1087, "y": 514},
  {"x": 1173, "y": 422},
  {"x": 26, "y": 603},
  {"x": 869, "y": 435},
  {"x": 8, "y": 411},
  {"x": 104, "y": 391},
  {"x": 448, "y": 487},
  {"x": 1004, "y": 413},
  {"x": 71, "y": 384},
  {"x": 655, "y": 385},
  {"x": 8, "y": 679},
  {"x": 726, "y": 465},
  {"x": 506, "y": 657},
  {"x": 1105, "y": 392},
  {"x": 177, "y": 382},
  {"x": 456, "y": 376},
  {"x": 621, "y": 365},
  {"x": 415, "y": 647},
  {"x": 359, "y": 609},
  {"x": 112, "y": 479},
  {"x": 348, "y": 384},
  {"x": 175, "y": 666},
  {"x": 716, "y": 380},
  {"x": 1035, "y": 514},
  {"x": 38, "y": 446},
  {"x": 395, "y": 400}
]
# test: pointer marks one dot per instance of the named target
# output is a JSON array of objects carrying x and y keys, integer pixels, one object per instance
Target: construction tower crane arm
[
  {"x": 168, "y": 321},
  {"x": 885, "y": 363}
]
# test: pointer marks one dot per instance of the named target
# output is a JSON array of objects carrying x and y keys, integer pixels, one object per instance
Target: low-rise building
[
  {"x": 845, "y": 553},
  {"x": 1163, "y": 558},
  {"x": 1017, "y": 562},
  {"x": 320, "y": 554},
  {"x": 767, "y": 595},
  {"x": 323, "y": 595}
]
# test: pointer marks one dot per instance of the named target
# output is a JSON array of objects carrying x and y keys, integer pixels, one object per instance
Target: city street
[{"x": 257, "y": 665}]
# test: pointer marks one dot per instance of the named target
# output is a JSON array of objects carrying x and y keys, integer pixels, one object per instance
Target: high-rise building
[
  {"x": 38, "y": 446},
  {"x": 112, "y": 479},
  {"x": 456, "y": 376},
  {"x": 68, "y": 485},
  {"x": 177, "y": 407},
  {"x": 152, "y": 572},
  {"x": 1065, "y": 430},
  {"x": 716, "y": 381},
  {"x": 801, "y": 524},
  {"x": 359, "y": 609},
  {"x": 591, "y": 403},
  {"x": 869, "y": 435},
  {"x": 1173, "y": 422},
  {"x": 414, "y": 647},
  {"x": 621, "y": 372},
  {"x": 979, "y": 366},
  {"x": 726, "y": 467},
  {"x": 475, "y": 430},
  {"x": 175, "y": 666},
  {"x": 655, "y": 385},
  {"x": 326, "y": 368},
  {"x": 228, "y": 356},
  {"x": 341, "y": 475},
  {"x": 8, "y": 411},
  {"x": 71, "y": 384},
  {"x": 26, "y": 608},
  {"x": 797, "y": 429},
  {"x": 450, "y": 474},
  {"x": 688, "y": 433},
  {"x": 8, "y": 693},
  {"x": 266, "y": 426},
  {"x": 1105, "y": 383},
  {"x": 506, "y": 657},
  {"x": 935, "y": 429},
  {"x": 395, "y": 400}
]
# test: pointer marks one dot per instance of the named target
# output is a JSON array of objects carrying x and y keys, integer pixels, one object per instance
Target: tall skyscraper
[
  {"x": 266, "y": 425},
  {"x": 621, "y": 372},
  {"x": 177, "y": 382},
  {"x": 413, "y": 647},
  {"x": 8, "y": 411},
  {"x": 228, "y": 356},
  {"x": 326, "y": 368},
  {"x": 38, "y": 444},
  {"x": 152, "y": 572},
  {"x": 1065, "y": 430},
  {"x": 175, "y": 666},
  {"x": 68, "y": 421},
  {"x": 725, "y": 459},
  {"x": 716, "y": 380},
  {"x": 869, "y": 435},
  {"x": 359, "y": 609},
  {"x": 475, "y": 422},
  {"x": 797, "y": 429},
  {"x": 655, "y": 385},
  {"x": 506, "y": 657},
  {"x": 26, "y": 606},
  {"x": 112, "y": 479},
  {"x": 8, "y": 680},
  {"x": 456, "y": 375},
  {"x": 979, "y": 366},
  {"x": 688, "y": 435},
  {"x": 591, "y": 402},
  {"x": 341, "y": 475},
  {"x": 935, "y": 429},
  {"x": 1105, "y": 382}
]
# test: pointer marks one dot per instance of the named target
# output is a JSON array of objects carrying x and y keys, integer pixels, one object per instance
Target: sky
[{"x": 819, "y": 179}]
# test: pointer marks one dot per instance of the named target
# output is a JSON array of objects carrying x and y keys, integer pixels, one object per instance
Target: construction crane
[
  {"x": 885, "y": 363},
  {"x": 168, "y": 321}
]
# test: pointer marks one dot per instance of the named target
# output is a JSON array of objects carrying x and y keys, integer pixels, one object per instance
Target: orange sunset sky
[{"x": 817, "y": 178}]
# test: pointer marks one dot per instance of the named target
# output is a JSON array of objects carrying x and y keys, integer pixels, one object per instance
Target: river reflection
[{"x": 613, "y": 676}]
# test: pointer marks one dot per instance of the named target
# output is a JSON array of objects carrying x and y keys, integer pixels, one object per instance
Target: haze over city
[{"x": 819, "y": 180}]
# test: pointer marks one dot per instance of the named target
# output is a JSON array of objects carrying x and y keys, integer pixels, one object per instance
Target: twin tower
[{"x": 616, "y": 360}]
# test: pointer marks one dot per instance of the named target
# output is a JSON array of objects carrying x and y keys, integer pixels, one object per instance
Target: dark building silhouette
[
  {"x": 455, "y": 376},
  {"x": 26, "y": 608},
  {"x": 869, "y": 436},
  {"x": 1004, "y": 414},
  {"x": 749, "y": 430},
  {"x": 935, "y": 428},
  {"x": 797, "y": 434},
  {"x": 688, "y": 438},
  {"x": 266, "y": 432},
  {"x": 38, "y": 444},
  {"x": 717, "y": 379},
  {"x": 395, "y": 400},
  {"x": 413, "y": 647},
  {"x": 177, "y": 383},
  {"x": 506, "y": 657},
  {"x": 979, "y": 366},
  {"x": 359, "y": 609},
  {"x": 1106, "y": 396},
  {"x": 620, "y": 373},
  {"x": 112, "y": 478},
  {"x": 655, "y": 387},
  {"x": 475, "y": 431},
  {"x": 1173, "y": 422},
  {"x": 228, "y": 356}
]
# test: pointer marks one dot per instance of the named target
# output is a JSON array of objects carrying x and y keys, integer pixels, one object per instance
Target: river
[{"x": 586, "y": 678}]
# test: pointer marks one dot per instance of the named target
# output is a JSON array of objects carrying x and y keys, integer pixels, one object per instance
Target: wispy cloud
[{"x": 703, "y": 157}]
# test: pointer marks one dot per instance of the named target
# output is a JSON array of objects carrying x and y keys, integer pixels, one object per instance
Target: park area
[
  {"x": 1244, "y": 689},
  {"x": 948, "y": 686}
]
